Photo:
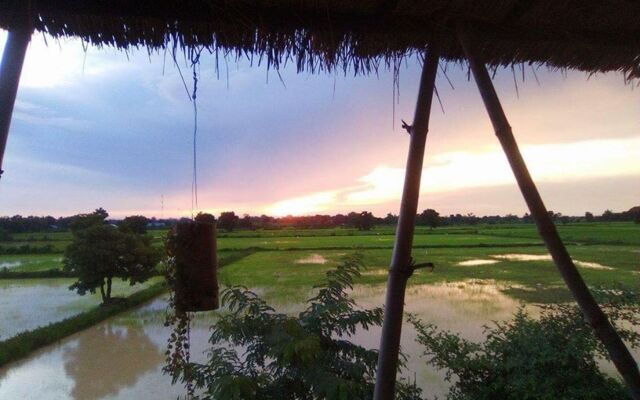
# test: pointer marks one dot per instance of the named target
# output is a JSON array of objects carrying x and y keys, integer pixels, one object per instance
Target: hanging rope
[
  {"x": 194, "y": 59},
  {"x": 195, "y": 62}
]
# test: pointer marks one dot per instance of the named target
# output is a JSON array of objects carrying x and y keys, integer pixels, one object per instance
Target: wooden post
[
  {"x": 401, "y": 269},
  {"x": 10, "y": 70},
  {"x": 619, "y": 353}
]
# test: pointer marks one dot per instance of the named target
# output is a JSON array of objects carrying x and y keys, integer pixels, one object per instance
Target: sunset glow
[
  {"x": 452, "y": 171},
  {"x": 85, "y": 134},
  {"x": 314, "y": 203}
]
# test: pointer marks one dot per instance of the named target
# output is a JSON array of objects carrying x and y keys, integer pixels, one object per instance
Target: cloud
[
  {"x": 57, "y": 63},
  {"x": 34, "y": 114},
  {"x": 457, "y": 171},
  {"x": 311, "y": 204},
  {"x": 302, "y": 148}
]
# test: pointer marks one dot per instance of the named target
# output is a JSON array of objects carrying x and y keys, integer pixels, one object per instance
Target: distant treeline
[
  {"x": 34, "y": 224},
  {"x": 364, "y": 220},
  {"x": 429, "y": 217}
]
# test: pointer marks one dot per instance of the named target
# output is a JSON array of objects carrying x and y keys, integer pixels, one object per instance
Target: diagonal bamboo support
[
  {"x": 401, "y": 269},
  {"x": 619, "y": 353},
  {"x": 10, "y": 70}
]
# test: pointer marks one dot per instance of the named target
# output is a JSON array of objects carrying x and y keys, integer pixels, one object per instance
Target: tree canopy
[
  {"x": 101, "y": 252},
  {"x": 228, "y": 221},
  {"x": 430, "y": 218},
  {"x": 134, "y": 224}
]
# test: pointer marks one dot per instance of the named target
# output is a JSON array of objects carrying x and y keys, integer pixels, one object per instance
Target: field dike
[{"x": 24, "y": 343}]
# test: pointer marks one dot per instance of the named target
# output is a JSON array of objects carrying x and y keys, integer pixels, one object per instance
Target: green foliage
[
  {"x": 83, "y": 221},
  {"x": 364, "y": 220},
  {"x": 134, "y": 224},
  {"x": 429, "y": 217},
  {"x": 100, "y": 252},
  {"x": 228, "y": 221},
  {"x": 258, "y": 353},
  {"x": 553, "y": 357}
]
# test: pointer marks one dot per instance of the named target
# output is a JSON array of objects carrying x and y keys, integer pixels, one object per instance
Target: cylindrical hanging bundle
[{"x": 192, "y": 245}]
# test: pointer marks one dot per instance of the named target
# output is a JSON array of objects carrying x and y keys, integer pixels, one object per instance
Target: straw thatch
[{"x": 361, "y": 35}]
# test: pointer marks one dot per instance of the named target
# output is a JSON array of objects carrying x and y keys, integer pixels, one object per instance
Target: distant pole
[
  {"x": 10, "y": 70},
  {"x": 619, "y": 353},
  {"x": 401, "y": 269}
]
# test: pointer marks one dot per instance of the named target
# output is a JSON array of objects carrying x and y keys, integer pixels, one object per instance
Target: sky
[{"x": 102, "y": 128}]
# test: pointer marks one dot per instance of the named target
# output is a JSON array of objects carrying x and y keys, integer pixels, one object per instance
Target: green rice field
[
  {"x": 289, "y": 262},
  {"x": 482, "y": 273}
]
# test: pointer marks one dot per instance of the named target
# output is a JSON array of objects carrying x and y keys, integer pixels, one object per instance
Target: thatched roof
[{"x": 589, "y": 35}]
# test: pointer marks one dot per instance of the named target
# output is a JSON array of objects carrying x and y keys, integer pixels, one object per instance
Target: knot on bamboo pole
[
  {"x": 407, "y": 127},
  {"x": 407, "y": 271}
]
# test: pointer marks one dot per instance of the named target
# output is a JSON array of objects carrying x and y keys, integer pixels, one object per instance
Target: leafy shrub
[
  {"x": 553, "y": 357},
  {"x": 258, "y": 353}
]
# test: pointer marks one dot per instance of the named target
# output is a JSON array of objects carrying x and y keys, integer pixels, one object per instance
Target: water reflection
[
  {"x": 109, "y": 358},
  {"x": 462, "y": 307},
  {"x": 122, "y": 358}
]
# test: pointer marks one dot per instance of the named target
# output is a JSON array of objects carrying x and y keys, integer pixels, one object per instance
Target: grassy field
[
  {"x": 583, "y": 233},
  {"x": 607, "y": 254},
  {"x": 30, "y": 262},
  {"x": 284, "y": 266},
  {"x": 534, "y": 280}
]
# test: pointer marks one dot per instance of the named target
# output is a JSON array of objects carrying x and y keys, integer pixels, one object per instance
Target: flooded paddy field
[
  {"x": 26, "y": 304},
  {"x": 122, "y": 358},
  {"x": 482, "y": 274}
]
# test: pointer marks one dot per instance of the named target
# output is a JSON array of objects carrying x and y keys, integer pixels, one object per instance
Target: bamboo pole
[
  {"x": 594, "y": 315},
  {"x": 401, "y": 268},
  {"x": 10, "y": 70}
]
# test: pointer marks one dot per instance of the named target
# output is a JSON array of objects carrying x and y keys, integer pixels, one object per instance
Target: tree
[
  {"x": 588, "y": 216},
  {"x": 228, "y": 221},
  {"x": 84, "y": 221},
  {"x": 554, "y": 216},
  {"x": 430, "y": 218},
  {"x": 364, "y": 221},
  {"x": 246, "y": 222},
  {"x": 100, "y": 252},
  {"x": 608, "y": 215},
  {"x": 258, "y": 353},
  {"x": 391, "y": 219},
  {"x": 134, "y": 224}
]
